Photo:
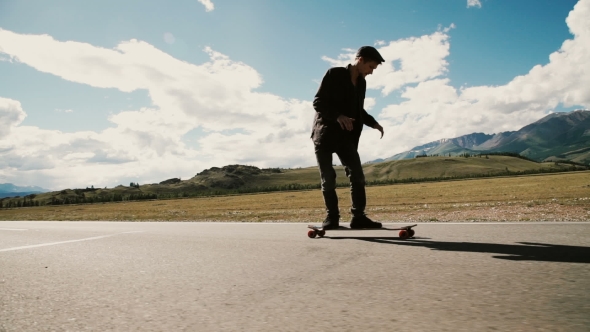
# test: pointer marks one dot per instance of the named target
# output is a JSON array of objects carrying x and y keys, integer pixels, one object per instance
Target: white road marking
[
  {"x": 13, "y": 229},
  {"x": 63, "y": 242}
]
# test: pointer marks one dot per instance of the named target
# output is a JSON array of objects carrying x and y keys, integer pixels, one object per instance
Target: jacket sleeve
[
  {"x": 368, "y": 119},
  {"x": 324, "y": 101}
]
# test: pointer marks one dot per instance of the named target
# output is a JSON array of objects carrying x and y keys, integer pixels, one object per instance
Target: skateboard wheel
[
  {"x": 403, "y": 234},
  {"x": 321, "y": 233},
  {"x": 311, "y": 233},
  {"x": 411, "y": 232}
]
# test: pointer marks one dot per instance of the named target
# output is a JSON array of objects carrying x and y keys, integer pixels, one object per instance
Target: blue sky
[{"x": 109, "y": 92}]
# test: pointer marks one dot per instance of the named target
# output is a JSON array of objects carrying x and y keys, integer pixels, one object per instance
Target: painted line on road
[
  {"x": 64, "y": 242},
  {"x": 13, "y": 229}
]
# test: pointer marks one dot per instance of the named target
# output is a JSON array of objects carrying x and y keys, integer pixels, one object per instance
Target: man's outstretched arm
[{"x": 370, "y": 121}]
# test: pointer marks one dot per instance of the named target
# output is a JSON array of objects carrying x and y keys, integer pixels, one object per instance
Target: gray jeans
[{"x": 351, "y": 161}]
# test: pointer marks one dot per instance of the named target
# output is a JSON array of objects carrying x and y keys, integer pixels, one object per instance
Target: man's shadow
[{"x": 521, "y": 251}]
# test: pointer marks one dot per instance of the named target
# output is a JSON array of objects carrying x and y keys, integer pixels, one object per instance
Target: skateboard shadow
[{"x": 521, "y": 251}]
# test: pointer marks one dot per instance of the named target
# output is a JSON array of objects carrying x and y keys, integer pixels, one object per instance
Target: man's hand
[
  {"x": 345, "y": 122},
  {"x": 378, "y": 127}
]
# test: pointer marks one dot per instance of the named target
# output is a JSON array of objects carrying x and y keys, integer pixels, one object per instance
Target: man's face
[{"x": 366, "y": 67}]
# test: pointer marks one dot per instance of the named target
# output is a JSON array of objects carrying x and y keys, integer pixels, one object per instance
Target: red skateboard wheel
[
  {"x": 403, "y": 234},
  {"x": 321, "y": 233},
  {"x": 311, "y": 233}
]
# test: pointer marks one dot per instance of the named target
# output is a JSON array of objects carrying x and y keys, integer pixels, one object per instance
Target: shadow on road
[{"x": 522, "y": 251}]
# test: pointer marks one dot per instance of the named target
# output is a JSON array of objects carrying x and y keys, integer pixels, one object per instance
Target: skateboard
[{"x": 405, "y": 232}]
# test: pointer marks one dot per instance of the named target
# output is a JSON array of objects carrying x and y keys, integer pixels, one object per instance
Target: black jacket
[{"x": 336, "y": 96}]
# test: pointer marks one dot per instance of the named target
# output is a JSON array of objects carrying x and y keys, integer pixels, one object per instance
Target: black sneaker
[
  {"x": 330, "y": 223},
  {"x": 364, "y": 222}
]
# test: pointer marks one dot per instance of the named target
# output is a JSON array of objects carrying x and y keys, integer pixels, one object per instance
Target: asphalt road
[{"x": 118, "y": 276}]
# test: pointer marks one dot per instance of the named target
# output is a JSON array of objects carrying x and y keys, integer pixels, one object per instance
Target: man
[{"x": 337, "y": 126}]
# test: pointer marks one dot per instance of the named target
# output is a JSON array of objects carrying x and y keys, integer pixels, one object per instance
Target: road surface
[{"x": 135, "y": 276}]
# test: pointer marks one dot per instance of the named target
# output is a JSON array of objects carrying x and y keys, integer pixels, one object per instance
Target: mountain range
[
  {"x": 10, "y": 190},
  {"x": 557, "y": 136}
]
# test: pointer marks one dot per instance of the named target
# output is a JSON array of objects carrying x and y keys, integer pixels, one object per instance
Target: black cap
[{"x": 370, "y": 53}]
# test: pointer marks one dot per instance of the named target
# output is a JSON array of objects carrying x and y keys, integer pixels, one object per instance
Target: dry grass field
[{"x": 548, "y": 197}]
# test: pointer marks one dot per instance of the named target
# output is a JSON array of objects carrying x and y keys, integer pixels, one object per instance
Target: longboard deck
[
  {"x": 405, "y": 232},
  {"x": 342, "y": 228}
]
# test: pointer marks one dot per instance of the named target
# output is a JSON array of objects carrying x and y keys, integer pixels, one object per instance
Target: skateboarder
[{"x": 337, "y": 126}]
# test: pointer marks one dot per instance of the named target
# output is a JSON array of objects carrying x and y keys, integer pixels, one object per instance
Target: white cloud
[
  {"x": 208, "y": 5},
  {"x": 446, "y": 29},
  {"x": 169, "y": 38},
  {"x": 369, "y": 103},
  {"x": 410, "y": 60},
  {"x": 473, "y": 3},
  {"x": 11, "y": 115}
]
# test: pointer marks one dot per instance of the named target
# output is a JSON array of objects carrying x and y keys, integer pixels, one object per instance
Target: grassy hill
[
  {"x": 454, "y": 167},
  {"x": 242, "y": 179}
]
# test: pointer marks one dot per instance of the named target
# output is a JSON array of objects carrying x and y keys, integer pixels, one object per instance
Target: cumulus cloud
[
  {"x": 208, "y": 5},
  {"x": 11, "y": 115},
  {"x": 473, "y": 3},
  {"x": 446, "y": 29},
  {"x": 369, "y": 103},
  {"x": 409, "y": 60},
  {"x": 169, "y": 38}
]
